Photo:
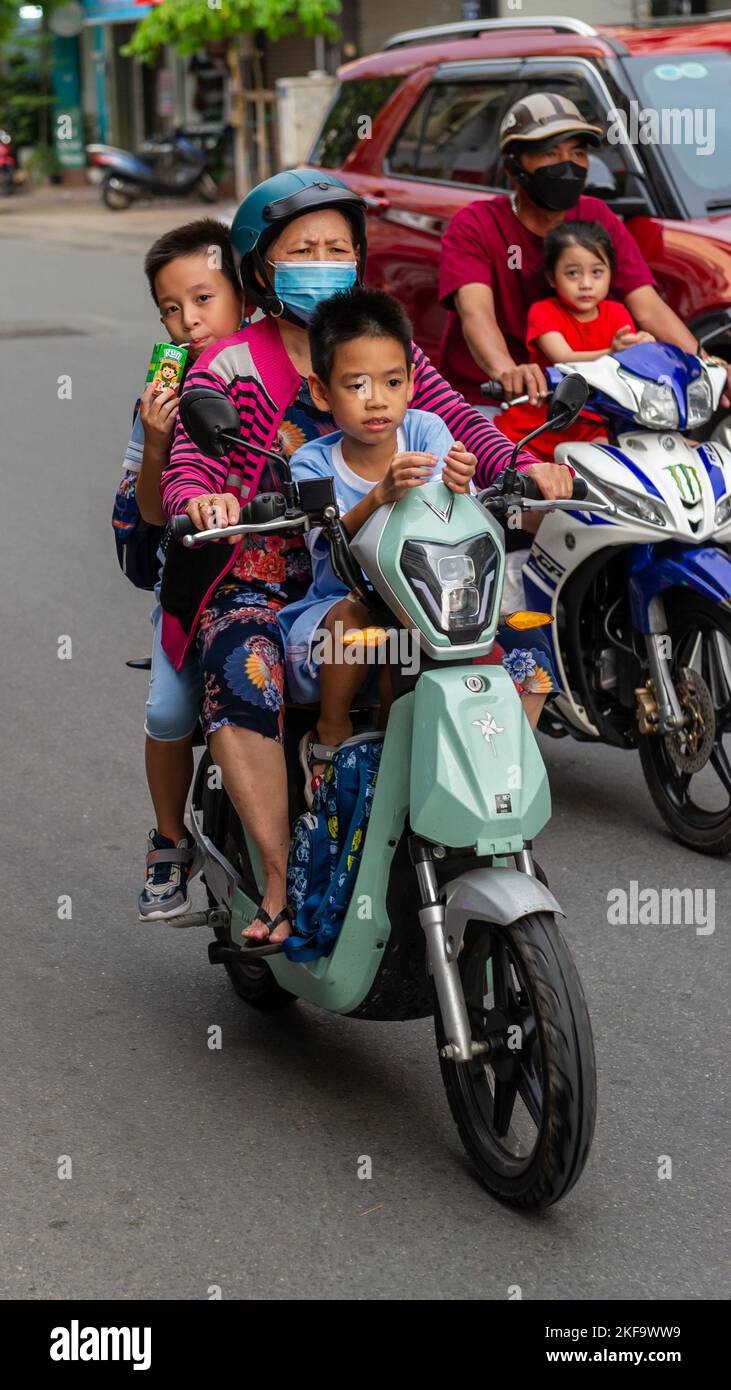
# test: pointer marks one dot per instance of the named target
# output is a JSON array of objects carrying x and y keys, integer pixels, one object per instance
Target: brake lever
[
  {"x": 251, "y": 528},
  {"x": 564, "y": 504}
]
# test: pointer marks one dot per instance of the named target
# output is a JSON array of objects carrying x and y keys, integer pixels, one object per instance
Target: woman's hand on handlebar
[
  {"x": 555, "y": 480},
  {"x": 525, "y": 379},
  {"x": 213, "y": 510}
]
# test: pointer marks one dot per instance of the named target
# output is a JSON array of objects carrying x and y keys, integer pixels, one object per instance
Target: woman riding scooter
[{"x": 301, "y": 237}]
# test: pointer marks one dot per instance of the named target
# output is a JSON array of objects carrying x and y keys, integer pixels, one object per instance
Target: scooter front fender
[{"x": 501, "y": 896}]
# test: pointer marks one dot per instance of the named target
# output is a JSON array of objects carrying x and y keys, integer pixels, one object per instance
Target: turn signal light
[
  {"x": 369, "y": 636},
  {"x": 522, "y": 620}
]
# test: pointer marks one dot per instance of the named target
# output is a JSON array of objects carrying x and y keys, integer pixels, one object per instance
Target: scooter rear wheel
[
  {"x": 253, "y": 981},
  {"x": 525, "y": 1111}
]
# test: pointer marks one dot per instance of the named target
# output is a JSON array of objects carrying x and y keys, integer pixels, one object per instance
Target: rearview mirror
[
  {"x": 567, "y": 402},
  {"x": 207, "y": 417}
]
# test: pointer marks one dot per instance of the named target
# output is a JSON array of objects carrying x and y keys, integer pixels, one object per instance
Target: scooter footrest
[{"x": 221, "y": 954}]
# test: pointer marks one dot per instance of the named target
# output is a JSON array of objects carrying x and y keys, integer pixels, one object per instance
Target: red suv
[{"x": 414, "y": 129}]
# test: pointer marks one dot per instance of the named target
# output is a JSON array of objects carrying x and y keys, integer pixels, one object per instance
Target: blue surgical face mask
[{"x": 301, "y": 286}]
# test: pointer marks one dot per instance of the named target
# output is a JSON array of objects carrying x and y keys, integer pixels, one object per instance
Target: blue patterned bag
[{"x": 327, "y": 847}]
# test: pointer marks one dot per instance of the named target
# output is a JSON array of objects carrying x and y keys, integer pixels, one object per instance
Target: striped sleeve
[
  {"x": 492, "y": 449},
  {"x": 190, "y": 472}
]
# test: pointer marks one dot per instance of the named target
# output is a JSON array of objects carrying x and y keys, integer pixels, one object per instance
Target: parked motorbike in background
[
  {"x": 167, "y": 166},
  {"x": 8, "y": 163},
  {"x": 639, "y": 584}
]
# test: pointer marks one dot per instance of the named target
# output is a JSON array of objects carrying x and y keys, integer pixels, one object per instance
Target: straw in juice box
[{"x": 166, "y": 366}]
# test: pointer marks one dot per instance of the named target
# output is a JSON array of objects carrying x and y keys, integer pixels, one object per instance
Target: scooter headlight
[
  {"x": 454, "y": 584},
  {"x": 658, "y": 407},
  {"x": 700, "y": 402},
  {"x": 723, "y": 511}
]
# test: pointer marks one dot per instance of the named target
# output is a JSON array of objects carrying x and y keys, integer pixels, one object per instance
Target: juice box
[{"x": 166, "y": 367}]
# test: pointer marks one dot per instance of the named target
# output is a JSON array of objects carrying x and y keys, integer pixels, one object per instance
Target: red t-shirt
[
  {"x": 486, "y": 244},
  {"x": 551, "y": 316}
]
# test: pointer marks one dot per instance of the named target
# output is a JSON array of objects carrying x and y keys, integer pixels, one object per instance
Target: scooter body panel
[
  {"x": 339, "y": 982},
  {"x": 477, "y": 776}
]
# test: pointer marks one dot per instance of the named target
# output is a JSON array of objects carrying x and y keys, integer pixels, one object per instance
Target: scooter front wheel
[{"x": 524, "y": 1109}]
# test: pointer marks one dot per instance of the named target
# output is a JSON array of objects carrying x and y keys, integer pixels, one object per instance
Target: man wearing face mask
[{"x": 492, "y": 253}]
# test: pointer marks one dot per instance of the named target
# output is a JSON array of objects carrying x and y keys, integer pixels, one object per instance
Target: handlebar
[{"x": 493, "y": 389}]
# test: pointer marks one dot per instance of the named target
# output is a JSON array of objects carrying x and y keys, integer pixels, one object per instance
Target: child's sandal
[{"x": 311, "y": 752}]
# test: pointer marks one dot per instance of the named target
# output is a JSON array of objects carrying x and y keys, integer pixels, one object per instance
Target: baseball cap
[{"x": 543, "y": 118}]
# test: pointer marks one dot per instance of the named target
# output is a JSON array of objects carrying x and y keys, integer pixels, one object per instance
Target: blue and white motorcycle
[{"x": 639, "y": 585}]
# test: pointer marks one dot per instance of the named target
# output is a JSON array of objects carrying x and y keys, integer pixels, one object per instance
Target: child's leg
[
  {"x": 172, "y": 709},
  {"x": 173, "y": 702},
  {"x": 339, "y": 683},
  {"x": 169, "y": 768}
]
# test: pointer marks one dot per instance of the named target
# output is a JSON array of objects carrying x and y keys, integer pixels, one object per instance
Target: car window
[
  {"x": 452, "y": 133},
  {"x": 684, "y": 113},
  {"x": 353, "y": 101}
]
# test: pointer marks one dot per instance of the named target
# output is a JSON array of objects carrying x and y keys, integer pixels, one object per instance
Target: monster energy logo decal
[{"x": 686, "y": 481}]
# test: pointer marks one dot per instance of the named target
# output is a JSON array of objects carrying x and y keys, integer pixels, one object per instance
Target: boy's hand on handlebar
[
  {"x": 215, "y": 509},
  {"x": 404, "y": 471},
  {"x": 554, "y": 479},
  {"x": 459, "y": 468},
  {"x": 158, "y": 414},
  {"x": 527, "y": 379}
]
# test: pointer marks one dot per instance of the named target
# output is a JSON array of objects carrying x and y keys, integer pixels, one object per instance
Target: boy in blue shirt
[{"x": 363, "y": 375}]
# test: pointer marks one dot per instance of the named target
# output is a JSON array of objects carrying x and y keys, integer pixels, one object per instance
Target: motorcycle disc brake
[{"x": 690, "y": 748}]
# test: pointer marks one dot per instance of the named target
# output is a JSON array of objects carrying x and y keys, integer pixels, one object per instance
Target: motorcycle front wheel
[
  {"x": 525, "y": 1109},
  {"x": 689, "y": 774}
]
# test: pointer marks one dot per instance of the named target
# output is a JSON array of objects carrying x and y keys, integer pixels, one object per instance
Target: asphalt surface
[{"x": 237, "y": 1168}]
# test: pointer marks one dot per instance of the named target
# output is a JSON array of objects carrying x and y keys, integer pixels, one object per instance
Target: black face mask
[{"x": 555, "y": 187}]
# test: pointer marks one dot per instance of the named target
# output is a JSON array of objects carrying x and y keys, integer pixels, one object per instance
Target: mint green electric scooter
[{"x": 460, "y": 922}]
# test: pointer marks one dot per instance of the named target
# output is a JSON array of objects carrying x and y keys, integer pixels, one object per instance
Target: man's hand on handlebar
[
  {"x": 213, "y": 510},
  {"x": 525, "y": 379},
  {"x": 555, "y": 480}
]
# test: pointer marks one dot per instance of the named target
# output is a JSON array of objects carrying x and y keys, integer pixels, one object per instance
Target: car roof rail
[{"x": 465, "y": 29}]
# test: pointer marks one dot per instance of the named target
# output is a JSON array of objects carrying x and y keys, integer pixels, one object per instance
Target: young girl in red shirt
[{"x": 578, "y": 325}]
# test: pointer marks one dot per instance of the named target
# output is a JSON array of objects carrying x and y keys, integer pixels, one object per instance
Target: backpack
[
  {"x": 137, "y": 541},
  {"x": 327, "y": 847}
]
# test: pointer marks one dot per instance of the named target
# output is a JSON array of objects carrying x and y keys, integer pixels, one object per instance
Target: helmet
[{"x": 268, "y": 208}]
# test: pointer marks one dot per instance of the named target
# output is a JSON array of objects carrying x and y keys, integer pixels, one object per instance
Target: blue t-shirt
[{"x": 323, "y": 458}]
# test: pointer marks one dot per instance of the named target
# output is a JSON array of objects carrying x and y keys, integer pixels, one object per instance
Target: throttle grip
[
  {"x": 181, "y": 525},
  {"x": 493, "y": 389}
]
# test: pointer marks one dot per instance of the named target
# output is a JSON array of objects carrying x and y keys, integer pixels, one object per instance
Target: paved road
[{"x": 238, "y": 1168}]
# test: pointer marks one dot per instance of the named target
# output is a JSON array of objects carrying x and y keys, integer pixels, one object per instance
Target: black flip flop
[{"x": 266, "y": 947}]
